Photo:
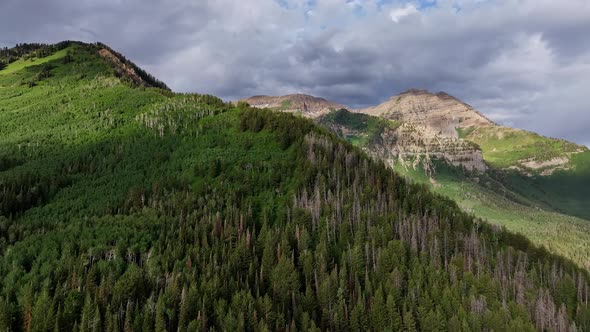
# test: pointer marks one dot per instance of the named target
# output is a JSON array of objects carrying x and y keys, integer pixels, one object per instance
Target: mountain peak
[
  {"x": 27, "y": 55},
  {"x": 308, "y": 105},
  {"x": 414, "y": 91},
  {"x": 439, "y": 112},
  {"x": 126, "y": 68},
  {"x": 425, "y": 93}
]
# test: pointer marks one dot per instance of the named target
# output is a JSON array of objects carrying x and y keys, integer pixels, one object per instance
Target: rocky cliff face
[
  {"x": 308, "y": 106},
  {"x": 430, "y": 128},
  {"x": 121, "y": 68},
  {"x": 410, "y": 146}
]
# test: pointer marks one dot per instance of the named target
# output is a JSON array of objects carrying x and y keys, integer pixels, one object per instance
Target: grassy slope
[
  {"x": 565, "y": 191},
  {"x": 22, "y": 63},
  {"x": 505, "y": 147},
  {"x": 364, "y": 128},
  {"x": 67, "y": 127},
  {"x": 489, "y": 199},
  {"x": 64, "y": 119}
]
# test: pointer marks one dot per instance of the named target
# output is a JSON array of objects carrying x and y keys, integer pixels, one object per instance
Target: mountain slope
[
  {"x": 554, "y": 173},
  {"x": 133, "y": 208},
  {"x": 525, "y": 204},
  {"x": 504, "y": 148},
  {"x": 512, "y": 176}
]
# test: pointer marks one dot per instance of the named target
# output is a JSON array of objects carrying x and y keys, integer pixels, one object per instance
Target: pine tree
[
  {"x": 128, "y": 325},
  {"x": 358, "y": 317},
  {"x": 147, "y": 316},
  {"x": 96, "y": 324},
  {"x": 378, "y": 311},
  {"x": 183, "y": 314},
  {"x": 284, "y": 279},
  {"x": 87, "y": 311},
  {"x": 160, "y": 324},
  {"x": 28, "y": 308},
  {"x": 409, "y": 322},
  {"x": 42, "y": 315},
  {"x": 58, "y": 319},
  {"x": 5, "y": 316},
  {"x": 394, "y": 319},
  {"x": 454, "y": 325}
]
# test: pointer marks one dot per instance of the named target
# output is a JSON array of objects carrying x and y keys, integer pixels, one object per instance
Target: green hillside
[
  {"x": 361, "y": 129},
  {"x": 486, "y": 197},
  {"x": 125, "y": 208},
  {"x": 504, "y": 147},
  {"x": 565, "y": 189},
  {"x": 34, "y": 61}
]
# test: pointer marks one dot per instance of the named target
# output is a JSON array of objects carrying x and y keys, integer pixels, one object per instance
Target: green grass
[
  {"x": 465, "y": 132},
  {"x": 504, "y": 147},
  {"x": 364, "y": 128},
  {"x": 22, "y": 63},
  {"x": 285, "y": 105},
  {"x": 355, "y": 140},
  {"x": 564, "y": 191}
]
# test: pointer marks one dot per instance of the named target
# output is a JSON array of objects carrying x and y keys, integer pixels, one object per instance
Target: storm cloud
[{"x": 524, "y": 63}]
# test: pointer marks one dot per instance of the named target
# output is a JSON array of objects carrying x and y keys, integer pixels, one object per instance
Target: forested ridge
[
  {"x": 26, "y": 51},
  {"x": 126, "y": 208}
]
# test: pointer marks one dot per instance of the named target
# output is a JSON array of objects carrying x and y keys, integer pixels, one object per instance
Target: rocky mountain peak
[{"x": 439, "y": 112}]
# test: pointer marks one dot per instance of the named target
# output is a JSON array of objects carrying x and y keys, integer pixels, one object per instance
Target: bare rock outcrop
[
  {"x": 411, "y": 146},
  {"x": 121, "y": 67}
]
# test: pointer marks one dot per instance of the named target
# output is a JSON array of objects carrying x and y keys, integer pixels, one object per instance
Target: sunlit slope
[
  {"x": 34, "y": 61},
  {"x": 553, "y": 172}
]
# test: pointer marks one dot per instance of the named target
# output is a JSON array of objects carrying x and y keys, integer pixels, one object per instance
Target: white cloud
[{"x": 398, "y": 13}]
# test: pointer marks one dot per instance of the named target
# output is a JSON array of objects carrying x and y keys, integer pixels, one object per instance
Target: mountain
[
  {"x": 440, "y": 112},
  {"x": 309, "y": 106},
  {"x": 443, "y": 117},
  {"x": 550, "y": 172},
  {"x": 531, "y": 184},
  {"x": 127, "y": 207}
]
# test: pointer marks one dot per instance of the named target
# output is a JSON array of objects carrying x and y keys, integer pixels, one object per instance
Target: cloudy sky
[{"x": 524, "y": 63}]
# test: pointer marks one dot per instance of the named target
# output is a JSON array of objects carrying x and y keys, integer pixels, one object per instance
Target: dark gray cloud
[{"x": 524, "y": 63}]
